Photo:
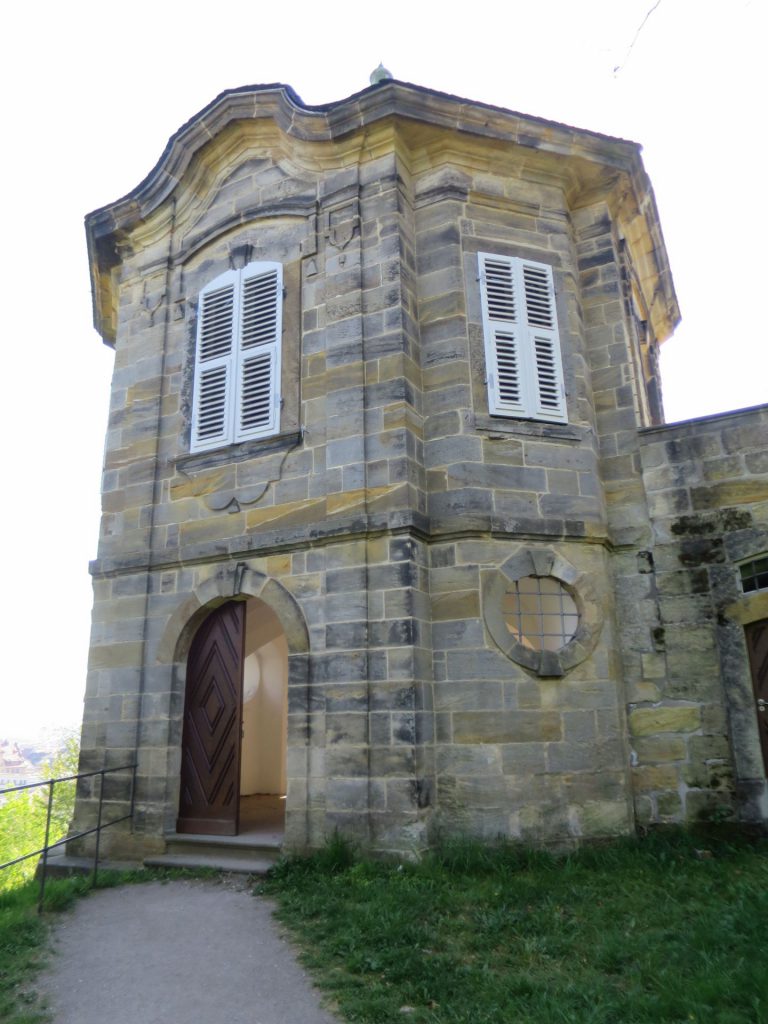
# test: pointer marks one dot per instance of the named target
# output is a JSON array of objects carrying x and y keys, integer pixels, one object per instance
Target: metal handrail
[{"x": 100, "y": 826}]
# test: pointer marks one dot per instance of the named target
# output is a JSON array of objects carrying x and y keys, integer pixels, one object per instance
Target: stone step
[
  {"x": 179, "y": 842},
  {"x": 60, "y": 865},
  {"x": 243, "y": 853},
  {"x": 240, "y": 863}
]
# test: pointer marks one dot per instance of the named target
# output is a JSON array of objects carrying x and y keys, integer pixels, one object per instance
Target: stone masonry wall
[
  {"x": 383, "y": 520},
  {"x": 693, "y": 727}
]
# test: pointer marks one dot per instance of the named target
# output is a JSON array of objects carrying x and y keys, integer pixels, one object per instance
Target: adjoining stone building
[{"x": 391, "y": 523}]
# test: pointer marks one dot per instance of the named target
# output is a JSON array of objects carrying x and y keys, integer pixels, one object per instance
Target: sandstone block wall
[
  {"x": 692, "y": 717},
  {"x": 386, "y": 520}
]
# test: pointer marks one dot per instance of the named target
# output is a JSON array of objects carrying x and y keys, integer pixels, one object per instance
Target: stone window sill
[
  {"x": 528, "y": 428},
  {"x": 237, "y": 452}
]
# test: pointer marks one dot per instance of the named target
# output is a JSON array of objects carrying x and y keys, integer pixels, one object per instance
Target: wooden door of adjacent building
[
  {"x": 210, "y": 769},
  {"x": 757, "y": 645}
]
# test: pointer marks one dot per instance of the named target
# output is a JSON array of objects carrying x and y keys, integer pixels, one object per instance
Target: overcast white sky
[{"x": 91, "y": 93}]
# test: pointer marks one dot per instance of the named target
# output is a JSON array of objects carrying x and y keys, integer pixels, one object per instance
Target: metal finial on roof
[{"x": 380, "y": 75}]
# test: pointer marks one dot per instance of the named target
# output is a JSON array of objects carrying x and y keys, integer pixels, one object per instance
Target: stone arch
[
  {"x": 232, "y": 581},
  {"x": 238, "y": 581}
]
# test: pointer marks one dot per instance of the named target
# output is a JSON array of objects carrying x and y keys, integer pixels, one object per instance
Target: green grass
[
  {"x": 631, "y": 933},
  {"x": 24, "y": 933},
  {"x": 23, "y": 937}
]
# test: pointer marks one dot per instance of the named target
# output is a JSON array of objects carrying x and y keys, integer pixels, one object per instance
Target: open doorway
[
  {"x": 757, "y": 647},
  {"x": 264, "y": 721},
  {"x": 235, "y": 715}
]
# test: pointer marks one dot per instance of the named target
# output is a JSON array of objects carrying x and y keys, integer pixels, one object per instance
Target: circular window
[{"x": 540, "y": 613}]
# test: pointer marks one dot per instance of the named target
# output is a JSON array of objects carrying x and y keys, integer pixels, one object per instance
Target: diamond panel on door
[{"x": 210, "y": 766}]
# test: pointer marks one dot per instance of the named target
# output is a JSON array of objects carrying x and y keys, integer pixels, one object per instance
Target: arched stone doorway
[
  {"x": 743, "y": 651},
  {"x": 233, "y": 775},
  {"x": 756, "y": 634}
]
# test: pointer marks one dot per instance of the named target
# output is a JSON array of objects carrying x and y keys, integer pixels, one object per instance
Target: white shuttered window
[
  {"x": 237, "y": 359},
  {"x": 522, "y": 344}
]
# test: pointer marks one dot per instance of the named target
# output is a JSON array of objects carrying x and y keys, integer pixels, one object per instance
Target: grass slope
[
  {"x": 23, "y": 938},
  {"x": 633, "y": 933}
]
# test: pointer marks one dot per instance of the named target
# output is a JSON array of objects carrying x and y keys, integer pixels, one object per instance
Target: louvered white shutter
[
  {"x": 237, "y": 363},
  {"x": 503, "y": 336},
  {"x": 214, "y": 364},
  {"x": 258, "y": 363},
  {"x": 547, "y": 397},
  {"x": 522, "y": 346}
]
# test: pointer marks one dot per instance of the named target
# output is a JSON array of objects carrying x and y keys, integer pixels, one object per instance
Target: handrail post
[
  {"x": 133, "y": 791},
  {"x": 98, "y": 828},
  {"x": 47, "y": 846},
  {"x": 51, "y": 784}
]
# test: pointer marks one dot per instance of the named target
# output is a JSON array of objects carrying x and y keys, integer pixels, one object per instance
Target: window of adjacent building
[
  {"x": 237, "y": 358},
  {"x": 540, "y": 613},
  {"x": 522, "y": 343},
  {"x": 754, "y": 575}
]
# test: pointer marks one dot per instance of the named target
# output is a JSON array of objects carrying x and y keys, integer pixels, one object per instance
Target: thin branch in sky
[{"x": 619, "y": 67}]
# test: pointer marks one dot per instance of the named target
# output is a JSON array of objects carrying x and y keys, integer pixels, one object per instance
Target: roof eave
[{"x": 328, "y": 122}]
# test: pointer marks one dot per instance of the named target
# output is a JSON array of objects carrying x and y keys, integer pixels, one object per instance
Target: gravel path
[{"x": 182, "y": 952}]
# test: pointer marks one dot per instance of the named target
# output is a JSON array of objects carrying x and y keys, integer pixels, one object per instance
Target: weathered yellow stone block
[
  {"x": 669, "y": 804},
  {"x": 506, "y": 726},
  {"x": 378, "y": 550},
  {"x": 400, "y": 415},
  {"x": 380, "y": 499},
  {"x": 654, "y": 665},
  {"x": 120, "y": 608},
  {"x": 125, "y": 655},
  {"x": 735, "y": 492},
  {"x": 605, "y": 817},
  {"x": 594, "y": 529},
  {"x": 624, "y": 492},
  {"x": 141, "y": 391},
  {"x": 278, "y": 565},
  {"x": 314, "y": 387},
  {"x": 639, "y": 693},
  {"x": 117, "y": 457},
  {"x": 395, "y": 366},
  {"x": 463, "y": 604},
  {"x": 551, "y": 695},
  {"x": 208, "y": 530},
  {"x": 289, "y": 514},
  {"x": 647, "y": 721},
  {"x": 203, "y": 483},
  {"x": 652, "y": 749},
  {"x": 315, "y": 364},
  {"x": 129, "y": 708},
  {"x": 650, "y": 777},
  {"x": 346, "y": 501}
]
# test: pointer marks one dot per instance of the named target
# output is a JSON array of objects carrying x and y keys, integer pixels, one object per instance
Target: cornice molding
[{"x": 588, "y": 159}]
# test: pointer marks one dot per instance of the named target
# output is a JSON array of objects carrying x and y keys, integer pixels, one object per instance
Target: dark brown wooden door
[
  {"x": 757, "y": 645},
  {"x": 210, "y": 766}
]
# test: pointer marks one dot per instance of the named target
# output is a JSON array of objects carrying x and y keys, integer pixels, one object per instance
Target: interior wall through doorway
[{"x": 265, "y": 688}]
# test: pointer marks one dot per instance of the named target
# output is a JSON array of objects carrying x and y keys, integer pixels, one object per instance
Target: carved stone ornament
[
  {"x": 341, "y": 224},
  {"x": 151, "y": 303}
]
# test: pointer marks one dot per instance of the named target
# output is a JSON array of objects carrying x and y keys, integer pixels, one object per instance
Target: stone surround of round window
[{"x": 541, "y": 611}]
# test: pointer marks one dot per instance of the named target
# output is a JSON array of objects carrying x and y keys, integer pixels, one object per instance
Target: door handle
[{"x": 762, "y": 705}]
